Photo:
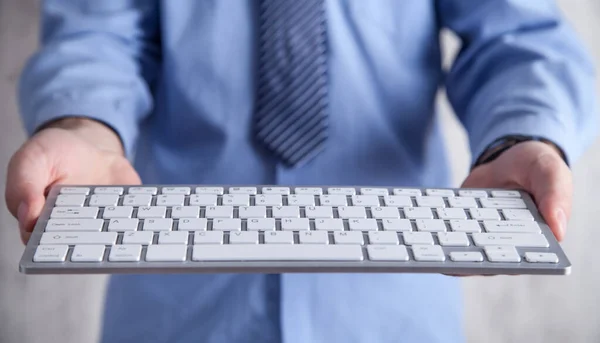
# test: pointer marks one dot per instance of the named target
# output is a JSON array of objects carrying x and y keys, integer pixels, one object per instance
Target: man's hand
[
  {"x": 70, "y": 151},
  {"x": 536, "y": 168}
]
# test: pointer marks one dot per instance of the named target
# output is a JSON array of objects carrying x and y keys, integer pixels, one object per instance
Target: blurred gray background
[{"x": 66, "y": 309}]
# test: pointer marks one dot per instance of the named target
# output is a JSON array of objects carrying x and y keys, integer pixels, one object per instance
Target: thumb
[
  {"x": 550, "y": 183},
  {"x": 27, "y": 180}
]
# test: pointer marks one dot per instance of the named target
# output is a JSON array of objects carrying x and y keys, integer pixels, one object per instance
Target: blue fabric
[{"x": 175, "y": 80}]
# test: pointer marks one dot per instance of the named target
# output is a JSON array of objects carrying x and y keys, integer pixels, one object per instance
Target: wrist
[
  {"x": 503, "y": 144},
  {"x": 94, "y": 132}
]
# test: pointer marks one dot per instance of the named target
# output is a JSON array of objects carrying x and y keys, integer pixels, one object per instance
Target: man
[{"x": 297, "y": 92}]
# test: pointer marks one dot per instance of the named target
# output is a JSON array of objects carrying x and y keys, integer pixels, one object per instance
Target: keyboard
[{"x": 277, "y": 229}]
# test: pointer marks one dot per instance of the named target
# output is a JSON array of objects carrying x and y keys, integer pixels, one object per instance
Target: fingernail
[
  {"x": 562, "y": 222},
  {"x": 22, "y": 214}
]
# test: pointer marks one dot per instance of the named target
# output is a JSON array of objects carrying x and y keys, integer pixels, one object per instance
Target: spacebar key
[{"x": 277, "y": 252}]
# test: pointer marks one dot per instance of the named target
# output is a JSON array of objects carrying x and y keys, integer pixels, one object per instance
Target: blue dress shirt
[{"x": 175, "y": 79}]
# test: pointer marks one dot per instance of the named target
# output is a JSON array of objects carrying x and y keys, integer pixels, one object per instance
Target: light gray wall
[{"x": 499, "y": 309}]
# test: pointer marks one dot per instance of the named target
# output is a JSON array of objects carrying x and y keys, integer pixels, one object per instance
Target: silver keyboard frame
[{"x": 27, "y": 266}]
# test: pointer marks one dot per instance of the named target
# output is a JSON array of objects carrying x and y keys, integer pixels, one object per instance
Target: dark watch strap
[{"x": 500, "y": 145}]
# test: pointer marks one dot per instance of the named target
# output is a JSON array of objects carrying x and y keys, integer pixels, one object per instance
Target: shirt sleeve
[
  {"x": 521, "y": 70},
  {"x": 97, "y": 59}
]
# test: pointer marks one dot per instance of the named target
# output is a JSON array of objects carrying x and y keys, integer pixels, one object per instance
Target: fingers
[
  {"x": 550, "y": 183},
  {"x": 26, "y": 184}
]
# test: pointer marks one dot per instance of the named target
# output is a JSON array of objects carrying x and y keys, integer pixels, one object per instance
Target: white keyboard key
[
  {"x": 484, "y": 214},
  {"x": 138, "y": 237},
  {"x": 517, "y": 214},
  {"x": 362, "y": 224},
  {"x": 203, "y": 200},
  {"x": 185, "y": 212},
  {"x": 430, "y": 225},
  {"x": 227, "y": 224},
  {"x": 279, "y": 237},
  {"x": 278, "y": 252},
  {"x": 236, "y": 199},
  {"x": 268, "y": 200},
  {"x": 50, "y": 253},
  {"x": 329, "y": 224},
  {"x": 117, "y": 212},
  {"x": 54, "y": 225},
  {"x": 511, "y": 226},
  {"x": 252, "y": 212},
  {"x": 396, "y": 225},
  {"x": 137, "y": 199},
  {"x": 451, "y": 213},
  {"x": 383, "y": 237},
  {"x": 209, "y": 190},
  {"x": 411, "y": 238},
  {"x": 123, "y": 224},
  {"x": 157, "y": 224},
  {"x": 541, "y": 257},
  {"x": 472, "y": 193},
  {"x": 166, "y": 253},
  {"x": 532, "y": 240},
  {"x": 333, "y": 200},
  {"x": 506, "y": 194},
  {"x": 242, "y": 190},
  {"x": 455, "y": 239},
  {"x": 384, "y": 212},
  {"x": 374, "y": 191},
  {"x": 301, "y": 200},
  {"x": 397, "y": 200},
  {"x": 365, "y": 200},
  {"x": 125, "y": 253},
  {"x": 243, "y": 237},
  {"x": 176, "y": 190},
  {"x": 70, "y": 200},
  {"x": 75, "y": 190},
  {"x": 208, "y": 237},
  {"x": 295, "y": 224},
  {"x": 219, "y": 212},
  {"x": 502, "y": 254},
  {"x": 143, "y": 190},
  {"x": 387, "y": 253},
  {"x": 352, "y": 212},
  {"x": 308, "y": 190},
  {"x": 462, "y": 202},
  {"x": 74, "y": 212},
  {"x": 430, "y": 201},
  {"x": 348, "y": 237},
  {"x": 413, "y": 192},
  {"x": 418, "y": 213},
  {"x": 88, "y": 253},
  {"x": 260, "y": 224},
  {"x": 341, "y": 191},
  {"x": 460, "y": 225},
  {"x": 428, "y": 253},
  {"x": 73, "y": 238},
  {"x": 440, "y": 192},
  {"x": 502, "y": 203},
  {"x": 192, "y": 224},
  {"x": 286, "y": 212},
  {"x": 173, "y": 237},
  {"x": 313, "y": 237},
  {"x": 108, "y": 190},
  {"x": 151, "y": 212},
  {"x": 170, "y": 200},
  {"x": 319, "y": 212},
  {"x": 466, "y": 256},
  {"x": 276, "y": 190}
]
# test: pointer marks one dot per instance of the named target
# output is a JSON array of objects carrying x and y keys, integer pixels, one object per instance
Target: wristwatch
[{"x": 500, "y": 145}]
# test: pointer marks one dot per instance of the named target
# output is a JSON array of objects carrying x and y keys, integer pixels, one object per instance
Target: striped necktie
[{"x": 291, "y": 100}]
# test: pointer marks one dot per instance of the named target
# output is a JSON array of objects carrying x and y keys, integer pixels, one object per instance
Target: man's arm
[
  {"x": 521, "y": 71},
  {"x": 97, "y": 60}
]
